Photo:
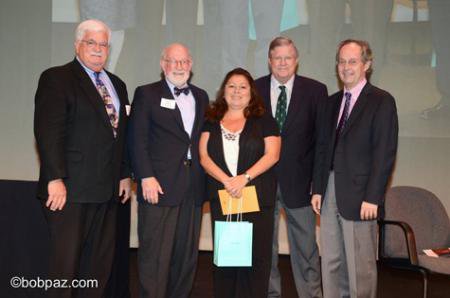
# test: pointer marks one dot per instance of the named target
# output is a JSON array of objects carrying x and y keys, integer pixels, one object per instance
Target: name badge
[{"x": 168, "y": 103}]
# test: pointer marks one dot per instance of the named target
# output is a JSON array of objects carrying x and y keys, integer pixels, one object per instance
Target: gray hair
[
  {"x": 282, "y": 41},
  {"x": 164, "y": 51},
  {"x": 91, "y": 25}
]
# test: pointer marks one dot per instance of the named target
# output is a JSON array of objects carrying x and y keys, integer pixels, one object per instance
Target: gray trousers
[
  {"x": 348, "y": 251},
  {"x": 301, "y": 226},
  {"x": 168, "y": 249}
]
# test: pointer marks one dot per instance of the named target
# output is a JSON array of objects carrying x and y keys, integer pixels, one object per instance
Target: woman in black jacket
[{"x": 238, "y": 147}]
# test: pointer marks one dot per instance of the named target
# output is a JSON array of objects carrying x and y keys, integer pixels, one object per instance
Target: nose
[{"x": 178, "y": 64}]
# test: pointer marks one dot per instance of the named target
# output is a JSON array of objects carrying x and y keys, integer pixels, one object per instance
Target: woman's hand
[{"x": 235, "y": 185}]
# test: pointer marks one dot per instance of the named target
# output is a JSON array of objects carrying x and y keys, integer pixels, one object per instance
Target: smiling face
[
  {"x": 93, "y": 49},
  {"x": 283, "y": 62},
  {"x": 351, "y": 67},
  {"x": 237, "y": 92},
  {"x": 176, "y": 64}
]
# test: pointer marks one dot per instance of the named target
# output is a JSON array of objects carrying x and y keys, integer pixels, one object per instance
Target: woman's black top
[{"x": 251, "y": 149}]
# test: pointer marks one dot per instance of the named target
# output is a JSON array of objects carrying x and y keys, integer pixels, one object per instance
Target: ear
[
  {"x": 269, "y": 64},
  {"x": 367, "y": 65}
]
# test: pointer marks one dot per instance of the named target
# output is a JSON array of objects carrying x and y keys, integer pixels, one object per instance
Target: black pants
[
  {"x": 168, "y": 248},
  {"x": 82, "y": 241},
  {"x": 239, "y": 282},
  {"x": 119, "y": 280}
]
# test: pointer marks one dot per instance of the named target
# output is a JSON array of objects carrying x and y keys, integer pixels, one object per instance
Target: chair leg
[{"x": 425, "y": 282}]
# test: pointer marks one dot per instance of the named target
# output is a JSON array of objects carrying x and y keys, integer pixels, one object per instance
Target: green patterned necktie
[{"x": 280, "y": 114}]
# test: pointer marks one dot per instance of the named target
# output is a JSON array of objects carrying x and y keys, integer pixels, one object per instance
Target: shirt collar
[
  {"x": 356, "y": 91},
  {"x": 172, "y": 87},
  {"x": 274, "y": 84},
  {"x": 89, "y": 71}
]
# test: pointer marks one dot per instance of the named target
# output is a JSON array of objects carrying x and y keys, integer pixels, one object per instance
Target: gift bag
[{"x": 233, "y": 242}]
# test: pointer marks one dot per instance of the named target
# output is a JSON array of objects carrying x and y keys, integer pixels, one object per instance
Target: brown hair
[{"x": 218, "y": 109}]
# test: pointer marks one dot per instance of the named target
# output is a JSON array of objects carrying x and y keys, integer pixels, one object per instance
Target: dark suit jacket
[
  {"x": 365, "y": 153},
  {"x": 159, "y": 144},
  {"x": 74, "y": 136},
  {"x": 251, "y": 149},
  {"x": 295, "y": 167}
]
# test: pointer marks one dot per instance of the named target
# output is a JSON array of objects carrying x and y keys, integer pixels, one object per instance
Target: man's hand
[
  {"x": 57, "y": 195},
  {"x": 368, "y": 211},
  {"x": 151, "y": 190},
  {"x": 125, "y": 189},
  {"x": 316, "y": 202}
]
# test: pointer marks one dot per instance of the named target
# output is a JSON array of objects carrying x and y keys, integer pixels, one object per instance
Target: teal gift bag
[{"x": 233, "y": 242}]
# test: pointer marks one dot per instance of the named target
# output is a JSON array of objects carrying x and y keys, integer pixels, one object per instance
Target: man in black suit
[
  {"x": 293, "y": 101},
  {"x": 80, "y": 124},
  {"x": 354, "y": 159},
  {"x": 165, "y": 126}
]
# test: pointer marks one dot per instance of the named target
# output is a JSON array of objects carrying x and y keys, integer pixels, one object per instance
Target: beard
[{"x": 178, "y": 79}]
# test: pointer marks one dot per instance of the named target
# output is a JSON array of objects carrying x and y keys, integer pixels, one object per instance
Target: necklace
[{"x": 230, "y": 136}]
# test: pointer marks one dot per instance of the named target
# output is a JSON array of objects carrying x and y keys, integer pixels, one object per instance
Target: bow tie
[{"x": 184, "y": 90}]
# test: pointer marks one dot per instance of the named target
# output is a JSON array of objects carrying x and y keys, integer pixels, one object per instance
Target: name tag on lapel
[{"x": 168, "y": 103}]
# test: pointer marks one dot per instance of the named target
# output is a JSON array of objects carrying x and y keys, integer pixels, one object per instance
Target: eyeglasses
[
  {"x": 351, "y": 62},
  {"x": 93, "y": 44},
  {"x": 173, "y": 62}
]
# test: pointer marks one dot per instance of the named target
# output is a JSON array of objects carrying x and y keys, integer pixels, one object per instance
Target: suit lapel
[
  {"x": 123, "y": 99},
  {"x": 199, "y": 117},
  {"x": 335, "y": 114},
  {"x": 361, "y": 102},
  {"x": 294, "y": 104},
  {"x": 91, "y": 93},
  {"x": 176, "y": 114}
]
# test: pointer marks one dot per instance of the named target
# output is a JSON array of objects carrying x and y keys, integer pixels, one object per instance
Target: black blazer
[
  {"x": 295, "y": 167},
  {"x": 365, "y": 153},
  {"x": 251, "y": 149},
  {"x": 159, "y": 144},
  {"x": 74, "y": 136}
]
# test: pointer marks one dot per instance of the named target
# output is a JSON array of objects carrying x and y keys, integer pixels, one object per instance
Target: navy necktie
[
  {"x": 345, "y": 113},
  {"x": 342, "y": 121}
]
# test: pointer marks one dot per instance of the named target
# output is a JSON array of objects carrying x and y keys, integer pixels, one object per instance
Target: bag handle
[{"x": 240, "y": 207}]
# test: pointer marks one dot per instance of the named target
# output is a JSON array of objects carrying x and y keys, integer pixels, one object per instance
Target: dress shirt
[
  {"x": 186, "y": 105},
  {"x": 107, "y": 82},
  {"x": 355, "y": 92},
  {"x": 275, "y": 92}
]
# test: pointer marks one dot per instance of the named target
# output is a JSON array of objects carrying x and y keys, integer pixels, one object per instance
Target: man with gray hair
[
  {"x": 80, "y": 123},
  {"x": 355, "y": 156},
  {"x": 294, "y": 102},
  {"x": 165, "y": 125}
]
